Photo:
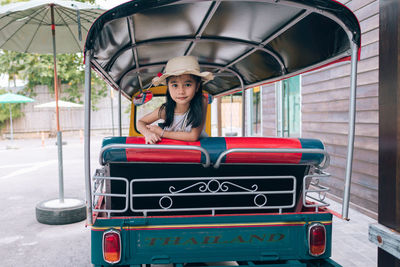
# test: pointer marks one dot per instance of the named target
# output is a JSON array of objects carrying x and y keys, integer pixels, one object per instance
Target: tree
[{"x": 38, "y": 70}]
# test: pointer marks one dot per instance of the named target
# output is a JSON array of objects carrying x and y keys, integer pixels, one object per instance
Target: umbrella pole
[
  {"x": 11, "y": 126},
  {"x": 59, "y": 134}
]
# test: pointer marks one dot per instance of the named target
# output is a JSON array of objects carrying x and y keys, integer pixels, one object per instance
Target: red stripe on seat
[
  {"x": 262, "y": 142},
  {"x": 162, "y": 155}
]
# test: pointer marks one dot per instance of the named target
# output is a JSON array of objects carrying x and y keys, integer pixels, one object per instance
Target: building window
[
  {"x": 288, "y": 107},
  {"x": 231, "y": 114},
  {"x": 149, "y": 107}
]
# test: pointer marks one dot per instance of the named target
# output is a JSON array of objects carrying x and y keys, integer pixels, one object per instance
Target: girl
[{"x": 185, "y": 109}]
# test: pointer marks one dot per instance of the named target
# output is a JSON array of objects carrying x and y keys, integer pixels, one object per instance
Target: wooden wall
[
  {"x": 325, "y": 112},
  {"x": 269, "y": 110},
  {"x": 325, "y": 94}
]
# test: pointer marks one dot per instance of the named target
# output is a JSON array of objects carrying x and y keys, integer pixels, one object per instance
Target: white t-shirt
[{"x": 179, "y": 124}]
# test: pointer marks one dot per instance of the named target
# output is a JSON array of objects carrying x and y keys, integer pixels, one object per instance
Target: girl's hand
[
  {"x": 155, "y": 129},
  {"x": 151, "y": 137}
]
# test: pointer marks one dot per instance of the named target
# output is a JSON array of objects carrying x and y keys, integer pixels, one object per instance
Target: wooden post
[
  {"x": 389, "y": 123},
  {"x": 81, "y": 135},
  {"x": 42, "y": 137}
]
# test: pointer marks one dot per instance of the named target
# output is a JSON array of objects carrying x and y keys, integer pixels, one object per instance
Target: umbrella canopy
[
  {"x": 25, "y": 26},
  {"x": 61, "y": 104},
  {"x": 14, "y": 98}
]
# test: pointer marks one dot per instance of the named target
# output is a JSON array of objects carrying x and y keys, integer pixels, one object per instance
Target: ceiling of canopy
[{"x": 244, "y": 43}]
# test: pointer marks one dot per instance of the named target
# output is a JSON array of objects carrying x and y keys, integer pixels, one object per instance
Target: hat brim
[{"x": 205, "y": 76}]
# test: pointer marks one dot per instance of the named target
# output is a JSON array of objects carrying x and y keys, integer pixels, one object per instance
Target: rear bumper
[{"x": 288, "y": 263}]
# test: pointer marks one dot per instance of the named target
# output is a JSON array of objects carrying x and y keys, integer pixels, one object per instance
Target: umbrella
[
  {"x": 61, "y": 104},
  {"x": 10, "y": 99},
  {"x": 29, "y": 27}
]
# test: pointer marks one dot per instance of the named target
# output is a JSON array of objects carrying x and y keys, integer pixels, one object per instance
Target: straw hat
[{"x": 182, "y": 65}]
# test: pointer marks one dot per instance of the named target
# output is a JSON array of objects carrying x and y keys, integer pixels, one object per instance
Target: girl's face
[{"x": 182, "y": 88}]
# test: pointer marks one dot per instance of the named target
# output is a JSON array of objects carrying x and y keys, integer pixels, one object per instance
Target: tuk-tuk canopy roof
[{"x": 244, "y": 43}]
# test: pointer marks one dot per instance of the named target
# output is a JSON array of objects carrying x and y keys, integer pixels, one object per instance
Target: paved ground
[
  {"x": 29, "y": 174},
  {"x": 351, "y": 246}
]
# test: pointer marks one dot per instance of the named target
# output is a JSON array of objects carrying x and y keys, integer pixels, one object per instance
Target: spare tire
[{"x": 55, "y": 212}]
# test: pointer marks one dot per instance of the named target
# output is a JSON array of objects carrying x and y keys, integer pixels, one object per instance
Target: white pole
[
  {"x": 11, "y": 125},
  {"x": 352, "y": 119},
  {"x": 88, "y": 104}
]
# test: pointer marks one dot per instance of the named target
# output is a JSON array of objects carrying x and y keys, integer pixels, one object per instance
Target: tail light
[
  {"x": 112, "y": 246},
  {"x": 317, "y": 239}
]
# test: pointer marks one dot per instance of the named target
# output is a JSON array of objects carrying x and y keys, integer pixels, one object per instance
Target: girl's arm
[
  {"x": 151, "y": 137},
  {"x": 191, "y": 136}
]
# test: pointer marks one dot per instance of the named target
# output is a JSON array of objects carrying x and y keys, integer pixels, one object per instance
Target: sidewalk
[{"x": 350, "y": 244}]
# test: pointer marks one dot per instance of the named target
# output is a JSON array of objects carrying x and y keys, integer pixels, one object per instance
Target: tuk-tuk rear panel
[{"x": 163, "y": 240}]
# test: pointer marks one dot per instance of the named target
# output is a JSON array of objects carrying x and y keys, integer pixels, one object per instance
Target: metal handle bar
[
  {"x": 276, "y": 150},
  {"x": 174, "y": 147}
]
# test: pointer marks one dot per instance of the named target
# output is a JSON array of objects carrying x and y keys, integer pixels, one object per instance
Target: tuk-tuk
[{"x": 249, "y": 200}]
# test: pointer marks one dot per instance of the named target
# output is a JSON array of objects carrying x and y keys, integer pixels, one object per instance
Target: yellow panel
[{"x": 208, "y": 120}]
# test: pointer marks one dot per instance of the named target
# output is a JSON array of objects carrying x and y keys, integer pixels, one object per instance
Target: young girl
[{"x": 185, "y": 109}]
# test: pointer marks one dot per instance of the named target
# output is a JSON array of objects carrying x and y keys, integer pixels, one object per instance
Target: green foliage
[
  {"x": 71, "y": 76},
  {"x": 11, "y": 63},
  {"x": 38, "y": 70}
]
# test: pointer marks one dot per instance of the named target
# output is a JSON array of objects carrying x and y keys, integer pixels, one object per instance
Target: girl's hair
[{"x": 195, "y": 115}]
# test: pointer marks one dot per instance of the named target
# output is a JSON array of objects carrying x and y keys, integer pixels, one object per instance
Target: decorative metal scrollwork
[
  {"x": 211, "y": 185},
  {"x": 162, "y": 205},
  {"x": 210, "y": 193},
  {"x": 263, "y": 197}
]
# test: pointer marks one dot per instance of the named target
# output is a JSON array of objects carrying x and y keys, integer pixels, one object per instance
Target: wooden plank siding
[
  {"x": 269, "y": 110},
  {"x": 325, "y": 105}
]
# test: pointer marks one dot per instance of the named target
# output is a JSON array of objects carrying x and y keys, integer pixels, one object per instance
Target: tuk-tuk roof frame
[{"x": 139, "y": 74}]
